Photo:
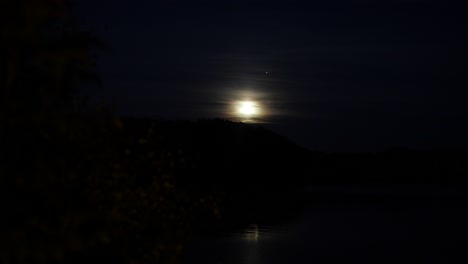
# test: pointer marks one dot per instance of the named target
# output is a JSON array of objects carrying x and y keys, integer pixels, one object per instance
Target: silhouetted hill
[
  {"x": 253, "y": 170},
  {"x": 222, "y": 152},
  {"x": 220, "y": 155}
]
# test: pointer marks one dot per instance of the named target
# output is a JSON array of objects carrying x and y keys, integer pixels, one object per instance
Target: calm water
[{"x": 419, "y": 230}]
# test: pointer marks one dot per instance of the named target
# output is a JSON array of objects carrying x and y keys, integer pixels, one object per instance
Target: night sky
[{"x": 342, "y": 75}]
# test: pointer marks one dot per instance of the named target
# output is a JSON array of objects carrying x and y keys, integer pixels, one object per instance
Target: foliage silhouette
[{"x": 78, "y": 185}]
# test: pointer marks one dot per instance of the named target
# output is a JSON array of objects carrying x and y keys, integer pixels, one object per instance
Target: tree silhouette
[
  {"x": 44, "y": 56},
  {"x": 77, "y": 185}
]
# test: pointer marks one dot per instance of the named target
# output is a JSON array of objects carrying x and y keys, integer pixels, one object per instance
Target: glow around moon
[
  {"x": 247, "y": 106},
  {"x": 247, "y": 110}
]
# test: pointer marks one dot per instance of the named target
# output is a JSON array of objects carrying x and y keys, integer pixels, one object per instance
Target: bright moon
[{"x": 247, "y": 108}]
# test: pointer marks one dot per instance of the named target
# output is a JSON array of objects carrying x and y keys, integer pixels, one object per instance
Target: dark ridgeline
[{"x": 447, "y": 167}]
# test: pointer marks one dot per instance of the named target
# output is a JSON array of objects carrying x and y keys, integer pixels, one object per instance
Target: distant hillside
[
  {"x": 398, "y": 166},
  {"x": 231, "y": 154},
  {"x": 224, "y": 152},
  {"x": 253, "y": 170}
]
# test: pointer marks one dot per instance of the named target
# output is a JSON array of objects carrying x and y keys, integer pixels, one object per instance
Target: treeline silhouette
[
  {"x": 394, "y": 166},
  {"x": 75, "y": 185},
  {"x": 80, "y": 188}
]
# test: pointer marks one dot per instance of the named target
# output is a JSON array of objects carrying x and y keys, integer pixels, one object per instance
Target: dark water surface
[{"x": 428, "y": 227}]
